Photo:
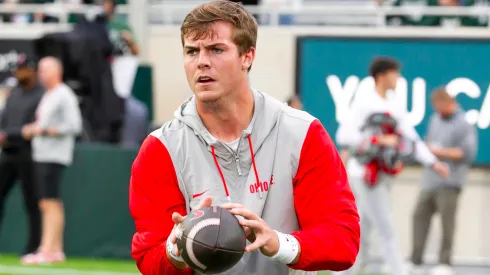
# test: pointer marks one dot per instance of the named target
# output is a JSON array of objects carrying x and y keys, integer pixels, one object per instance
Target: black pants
[{"x": 15, "y": 167}]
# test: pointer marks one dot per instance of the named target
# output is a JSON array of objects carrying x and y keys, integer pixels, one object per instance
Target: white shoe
[
  {"x": 415, "y": 269},
  {"x": 442, "y": 270}
]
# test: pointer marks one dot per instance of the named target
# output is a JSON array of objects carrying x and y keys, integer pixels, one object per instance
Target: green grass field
[{"x": 10, "y": 265}]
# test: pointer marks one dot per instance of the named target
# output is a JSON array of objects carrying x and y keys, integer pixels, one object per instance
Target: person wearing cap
[{"x": 16, "y": 158}]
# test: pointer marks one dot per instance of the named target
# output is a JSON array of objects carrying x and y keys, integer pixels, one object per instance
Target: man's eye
[
  {"x": 191, "y": 52},
  {"x": 216, "y": 50}
]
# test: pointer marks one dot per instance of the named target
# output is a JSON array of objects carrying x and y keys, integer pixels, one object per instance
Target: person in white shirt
[{"x": 373, "y": 201}]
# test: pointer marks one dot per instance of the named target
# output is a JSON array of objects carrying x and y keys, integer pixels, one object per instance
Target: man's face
[
  {"x": 213, "y": 65},
  {"x": 391, "y": 78},
  {"x": 108, "y": 7},
  {"x": 297, "y": 104},
  {"x": 24, "y": 75},
  {"x": 443, "y": 107},
  {"x": 45, "y": 74}
]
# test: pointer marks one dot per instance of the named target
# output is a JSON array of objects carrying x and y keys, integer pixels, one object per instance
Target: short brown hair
[
  {"x": 441, "y": 94},
  {"x": 196, "y": 24},
  {"x": 383, "y": 64}
]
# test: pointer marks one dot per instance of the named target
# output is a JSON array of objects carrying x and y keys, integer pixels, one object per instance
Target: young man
[
  {"x": 58, "y": 122},
  {"x": 229, "y": 145},
  {"x": 451, "y": 138},
  {"x": 373, "y": 201},
  {"x": 355, "y": 174}
]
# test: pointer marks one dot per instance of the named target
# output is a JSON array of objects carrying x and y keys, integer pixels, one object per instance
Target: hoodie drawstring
[
  {"x": 221, "y": 174},
  {"x": 253, "y": 164}
]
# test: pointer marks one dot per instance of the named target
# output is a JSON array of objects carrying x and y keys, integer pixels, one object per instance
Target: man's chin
[{"x": 208, "y": 96}]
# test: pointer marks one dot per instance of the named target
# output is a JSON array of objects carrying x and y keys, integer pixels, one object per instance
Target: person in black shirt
[{"x": 15, "y": 157}]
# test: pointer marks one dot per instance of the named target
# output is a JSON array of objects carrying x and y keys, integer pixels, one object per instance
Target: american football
[{"x": 211, "y": 240}]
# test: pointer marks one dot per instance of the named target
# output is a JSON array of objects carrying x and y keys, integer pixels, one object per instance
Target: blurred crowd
[
  {"x": 69, "y": 89},
  {"x": 52, "y": 12},
  {"x": 418, "y": 19},
  {"x": 107, "y": 40}
]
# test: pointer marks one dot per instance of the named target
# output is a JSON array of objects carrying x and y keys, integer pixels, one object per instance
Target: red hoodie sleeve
[
  {"x": 154, "y": 195},
  {"x": 325, "y": 206}
]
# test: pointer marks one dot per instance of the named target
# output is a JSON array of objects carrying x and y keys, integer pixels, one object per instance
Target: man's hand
[
  {"x": 127, "y": 36},
  {"x": 31, "y": 130},
  {"x": 28, "y": 131},
  {"x": 258, "y": 232},
  {"x": 177, "y": 218},
  {"x": 52, "y": 132},
  {"x": 441, "y": 168}
]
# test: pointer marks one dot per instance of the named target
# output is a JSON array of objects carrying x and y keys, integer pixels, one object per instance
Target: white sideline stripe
[{"x": 18, "y": 270}]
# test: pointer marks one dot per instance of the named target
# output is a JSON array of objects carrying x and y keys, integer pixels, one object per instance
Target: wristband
[
  {"x": 288, "y": 248},
  {"x": 170, "y": 250}
]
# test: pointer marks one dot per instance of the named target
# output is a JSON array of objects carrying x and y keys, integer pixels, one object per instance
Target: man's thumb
[
  {"x": 177, "y": 218},
  {"x": 206, "y": 202}
]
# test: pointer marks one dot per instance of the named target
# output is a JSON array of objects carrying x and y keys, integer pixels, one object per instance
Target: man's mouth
[{"x": 205, "y": 79}]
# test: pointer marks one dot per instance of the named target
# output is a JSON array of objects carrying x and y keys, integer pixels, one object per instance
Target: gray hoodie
[{"x": 286, "y": 169}]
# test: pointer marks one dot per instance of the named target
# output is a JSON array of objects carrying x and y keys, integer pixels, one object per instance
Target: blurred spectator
[
  {"x": 136, "y": 123},
  {"x": 295, "y": 102},
  {"x": 124, "y": 67},
  {"x": 17, "y": 17},
  {"x": 418, "y": 19},
  {"x": 247, "y": 2},
  {"x": 53, "y": 133},
  {"x": 16, "y": 157},
  {"x": 120, "y": 33},
  {"x": 53, "y": 10},
  {"x": 453, "y": 140},
  {"x": 457, "y": 21},
  {"x": 7, "y": 86}
]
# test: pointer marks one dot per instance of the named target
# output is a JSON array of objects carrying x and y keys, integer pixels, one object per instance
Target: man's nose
[{"x": 203, "y": 61}]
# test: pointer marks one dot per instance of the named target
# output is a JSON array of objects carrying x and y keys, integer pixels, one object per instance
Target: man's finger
[
  {"x": 176, "y": 250},
  {"x": 254, "y": 246},
  {"x": 244, "y": 212},
  {"x": 252, "y": 224},
  {"x": 172, "y": 237},
  {"x": 208, "y": 201},
  {"x": 251, "y": 236},
  {"x": 177, "y": 218},
  {"x": 248, "y": 231},
  {"x": 230, "y": 205}
]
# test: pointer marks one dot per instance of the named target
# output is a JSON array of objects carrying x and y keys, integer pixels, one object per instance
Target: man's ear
[{"x": 248, "y": 59}]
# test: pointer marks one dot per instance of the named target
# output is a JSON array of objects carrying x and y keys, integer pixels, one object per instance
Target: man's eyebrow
[
  {"x": 207, "y": 46},
  {"x": 216, "y": 44}
]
